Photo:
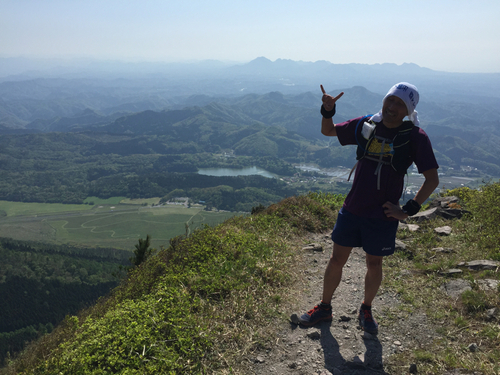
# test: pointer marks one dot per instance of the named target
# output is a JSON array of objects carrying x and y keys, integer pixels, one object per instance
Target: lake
[{"x": 249, "y": 171}]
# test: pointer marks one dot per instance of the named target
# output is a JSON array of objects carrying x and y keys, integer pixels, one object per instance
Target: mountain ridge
[{"x": 206, "y": 123}]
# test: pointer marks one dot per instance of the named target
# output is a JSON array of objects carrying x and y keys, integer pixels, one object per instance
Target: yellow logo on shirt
[{"x": 375, "y": 148}]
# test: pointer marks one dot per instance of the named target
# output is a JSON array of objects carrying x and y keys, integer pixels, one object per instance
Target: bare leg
[
  {"x": 333, "y": 272},
  {"x": 373, "y": 277}
]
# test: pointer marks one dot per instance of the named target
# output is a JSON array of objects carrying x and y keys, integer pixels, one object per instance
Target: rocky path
[{"x": 340, "y": 347}]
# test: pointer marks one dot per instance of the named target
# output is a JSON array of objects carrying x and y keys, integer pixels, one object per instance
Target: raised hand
[{"x": 328, "y": 100}]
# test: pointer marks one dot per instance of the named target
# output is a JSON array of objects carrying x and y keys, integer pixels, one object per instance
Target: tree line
[
  {"x": 42, "y": 283},
  {"x": 68, "y": 168}
]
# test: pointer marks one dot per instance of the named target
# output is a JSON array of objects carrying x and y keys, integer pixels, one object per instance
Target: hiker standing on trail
[{"x": 387, "y": 146}]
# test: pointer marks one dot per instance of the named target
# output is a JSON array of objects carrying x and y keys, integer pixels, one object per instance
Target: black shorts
[{"x": 375, "y": 236}]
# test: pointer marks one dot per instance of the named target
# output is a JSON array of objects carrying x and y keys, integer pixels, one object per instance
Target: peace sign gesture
[{"x": 328, "y": 100}]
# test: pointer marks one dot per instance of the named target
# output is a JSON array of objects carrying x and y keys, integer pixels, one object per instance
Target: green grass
[
  {"x": 31, "y": 209},
  {"x": 195, "y": 307},
  {"x": 109, "y": 201},
  {"x": 127, "y": 227},
  {"x": 234, "y": 283},
  {"x": 107, "y": 223},
  {"x": 461, "y": 321}
]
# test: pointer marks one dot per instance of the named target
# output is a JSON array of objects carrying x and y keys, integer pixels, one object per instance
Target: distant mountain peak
[{"x": 260, "y": 61}]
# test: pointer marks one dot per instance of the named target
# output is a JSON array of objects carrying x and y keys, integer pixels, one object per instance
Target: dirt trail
[{"x": 340, "y": 347}]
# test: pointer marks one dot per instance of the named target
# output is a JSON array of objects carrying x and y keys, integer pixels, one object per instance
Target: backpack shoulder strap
[
  {"x": 360, "y": 141},
  {"x": 401, "y": 146}
]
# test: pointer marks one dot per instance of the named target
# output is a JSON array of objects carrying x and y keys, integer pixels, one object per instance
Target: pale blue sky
[{"x": 448, "y": 35}]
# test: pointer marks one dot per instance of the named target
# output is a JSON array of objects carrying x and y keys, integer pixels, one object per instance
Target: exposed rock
[
  {"x": 400, "y": 245},
  {"x": 425, "y": 215},
  {"x": 455, "y": 288},
  {"x": 444, "y": 202},
  {"x": 408, "y": 227},
  {"x": 446, "y": 207},
  {"x": 488, "y": 284},
  {"x": 313, "y": 247},
  {"x": 450, "y": 213},
  {"x": 473, "y": 347},
  {"x": 260, "y": 359},
  {"x": 446, "y": 250},
  {"x": 451, "y": 271},
  {"x": 492, "y": 314},
  {"x": 413, "y": 227},
  {"x": 445, "y": 231},
  {"x": 483, "y": 264}
]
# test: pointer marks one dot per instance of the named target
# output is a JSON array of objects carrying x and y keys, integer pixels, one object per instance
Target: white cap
[{"x": 408, "y": 93}]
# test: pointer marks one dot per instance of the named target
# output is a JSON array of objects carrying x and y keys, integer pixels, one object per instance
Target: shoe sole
[
  {"x": 370, "y": 332},
  {"x": 295, "y": 319},
  {"x": 367, "y": 331}
]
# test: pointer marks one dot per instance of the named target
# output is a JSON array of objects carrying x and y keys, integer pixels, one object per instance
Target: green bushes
[
  {"x": 157, "y": 334},
  {"x": 484, "y": 208}
]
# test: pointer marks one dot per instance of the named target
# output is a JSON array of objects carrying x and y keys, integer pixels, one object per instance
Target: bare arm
[
  {"x": 327, "y": 125},
  {"x": 430, "y": 184}
]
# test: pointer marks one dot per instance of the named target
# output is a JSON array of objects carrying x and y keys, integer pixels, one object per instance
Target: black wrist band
[
  {"x": 328, "y": 114},
  {"x": 411, "y": 207}
]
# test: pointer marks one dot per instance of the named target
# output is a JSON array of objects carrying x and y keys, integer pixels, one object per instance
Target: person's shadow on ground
[{"x": 370, "y": 364}]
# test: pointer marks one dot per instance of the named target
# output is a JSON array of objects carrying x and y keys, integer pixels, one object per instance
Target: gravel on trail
[{"x": 340, "y": 346}]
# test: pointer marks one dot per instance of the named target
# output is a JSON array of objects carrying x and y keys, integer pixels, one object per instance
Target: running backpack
[{"x": 376, "y": 148}]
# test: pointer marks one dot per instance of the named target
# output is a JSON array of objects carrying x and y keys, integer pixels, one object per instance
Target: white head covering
[{"x": 408, "y": 93}]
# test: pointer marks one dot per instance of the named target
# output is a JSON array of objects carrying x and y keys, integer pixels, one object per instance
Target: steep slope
[
  {"x": 219, "y": 302},
  {"x": 203, "y": 300}
]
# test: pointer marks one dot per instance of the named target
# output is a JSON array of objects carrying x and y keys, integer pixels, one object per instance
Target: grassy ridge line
[{"x": 195, "y": 307}]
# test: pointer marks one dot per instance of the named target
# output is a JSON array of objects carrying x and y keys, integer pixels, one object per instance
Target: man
[{"x": 369, "y": 218}]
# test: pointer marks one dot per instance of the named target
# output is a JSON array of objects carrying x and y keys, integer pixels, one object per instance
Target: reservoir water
[{"x": 249, "y": 171}]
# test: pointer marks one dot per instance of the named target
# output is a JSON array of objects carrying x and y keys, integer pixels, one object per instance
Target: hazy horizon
[{"x": 443, "y": 35}]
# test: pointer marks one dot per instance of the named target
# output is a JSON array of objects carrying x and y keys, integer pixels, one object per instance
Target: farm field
[{"x": 108, "y": 223}]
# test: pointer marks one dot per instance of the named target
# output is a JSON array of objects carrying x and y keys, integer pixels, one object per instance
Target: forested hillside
[
  {"x": 42, "y": 283},
  {"x": 68, "y": 168},
  {"x": 150, "y": 153}
]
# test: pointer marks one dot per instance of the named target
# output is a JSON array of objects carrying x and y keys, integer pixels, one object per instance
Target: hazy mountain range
[{"x": 459, "y": 111}]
